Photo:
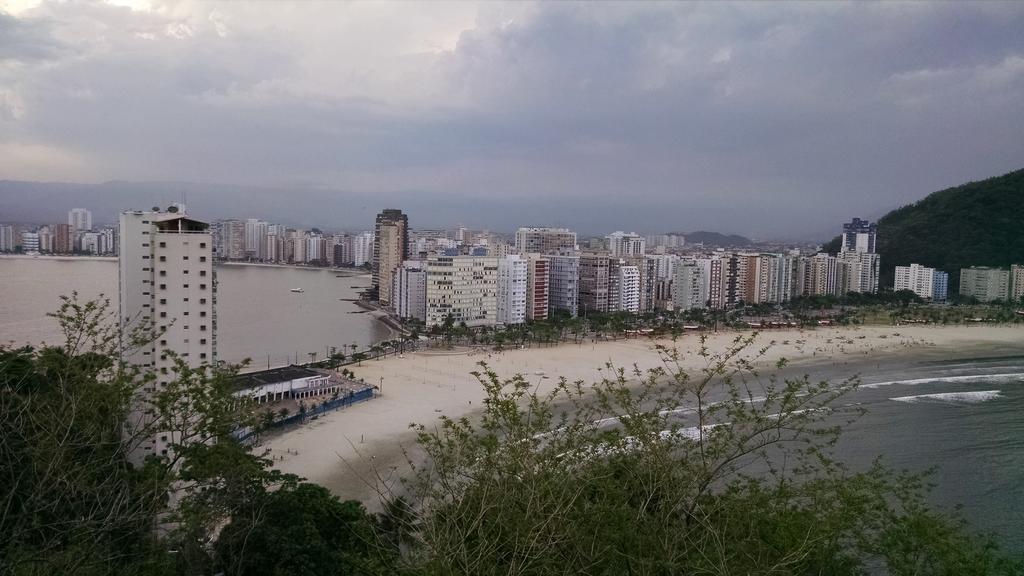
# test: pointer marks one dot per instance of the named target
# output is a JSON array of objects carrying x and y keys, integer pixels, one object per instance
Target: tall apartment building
[
  {"x": 689, "y": 286},
  {"x": 512, "y": 290},
  {"x": 7, "y": 236},
  {"x": 623, "y": 244},
  {"x": 545, "y": 240},
  {"x": 940, "y": 286},
  {"x": 255, "y": 232},
  {"x": 167, "y": 282},
  {"x": 985, "y": 284},
  {"x": 63, "y": 238},
  {"x": 594, "y": 282},
  {"x": 1017, "y": 282},
  {"x": 410, "y": 291},
  {"x": 626, "y": 289},
  {"x": 538, "y": 287},
  {"x": 80, "y": 219},
  {"x": 823, "y": 275},
  {"x": 391, "y": 240},
  {"x": 232, "y": 240},
  {"x": 362, "y": 249},
  {"x": 464, "y": 287},
  {"x": 918, "y": 279},
  {"x": 857, "y": 272},
  {"x": 859, "y": 236},
  {"x": 563, "y": 283}
]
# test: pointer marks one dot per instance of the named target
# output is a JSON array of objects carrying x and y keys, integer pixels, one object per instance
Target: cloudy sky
[{"x": 776, "y": 120}]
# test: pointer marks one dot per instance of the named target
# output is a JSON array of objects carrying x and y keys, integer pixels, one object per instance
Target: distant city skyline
[{"x": 761, "y": 119}]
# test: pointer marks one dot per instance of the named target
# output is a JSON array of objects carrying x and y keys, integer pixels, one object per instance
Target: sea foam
[
  {"x": 976, "y": 397},
  {"x": 1013, "y": 377}
]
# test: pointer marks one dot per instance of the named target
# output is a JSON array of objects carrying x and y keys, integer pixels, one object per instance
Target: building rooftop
[{"x": 272, "y": 376}]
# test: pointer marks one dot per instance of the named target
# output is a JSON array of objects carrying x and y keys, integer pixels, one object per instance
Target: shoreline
[
  {"x": 351, "y": 272},
  {"x": 347, "y": 449},
  {"x": 59, "y": 257}
]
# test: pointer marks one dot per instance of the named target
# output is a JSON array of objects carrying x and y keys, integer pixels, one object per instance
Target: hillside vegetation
[{"x": 975, "y": 224}]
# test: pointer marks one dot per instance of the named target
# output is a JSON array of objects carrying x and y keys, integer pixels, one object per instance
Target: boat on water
[{"x": 297, "y": 290}]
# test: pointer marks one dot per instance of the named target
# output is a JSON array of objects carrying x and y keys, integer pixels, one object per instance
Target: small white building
[{"x": 289, "y": 382}]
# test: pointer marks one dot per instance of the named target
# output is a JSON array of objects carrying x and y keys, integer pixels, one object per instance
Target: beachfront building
[
  {"x": 463, "y": 287},
  {"x": 940, "y": 286},
  {"x": 289, "y": 382},
  {"x": 626, "y": 288},
  {"x": 823, "y": 275},
  {"x": 917, "y": 278},
  {"x": 563, "y": 283},
  {"x": 410, "y": 290},
  {"x": 624, "y": 244},
  {"x": 512, "y": 289},
  {"x": 30, "y": 242},
  {"x": 166, "y": 282},
  {"x": 391, "y": 240},
  {"x": 689, "y": 286},
  {"x": 985, "y": 284},
  {"x": 538, "y": 286},
  {"x": 594, "y": 281},
  {"x": 1017, "y": 282},
  {"x": 857, "y": 272},
  {"x": 545, "y": 240}
]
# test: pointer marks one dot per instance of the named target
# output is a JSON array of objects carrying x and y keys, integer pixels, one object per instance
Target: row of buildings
[
  {"x": 545, "y": 271},
  {"x": 990, "y": 284},
  {"x": 77, "y": 236}
]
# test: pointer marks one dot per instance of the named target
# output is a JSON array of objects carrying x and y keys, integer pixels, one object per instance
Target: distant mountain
[
  {"x": 716, "y": 239},
  {"x": 976, "y": 224}
]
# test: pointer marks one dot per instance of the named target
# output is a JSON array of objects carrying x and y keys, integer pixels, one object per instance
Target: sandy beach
[{"x": 349, "y": 450}]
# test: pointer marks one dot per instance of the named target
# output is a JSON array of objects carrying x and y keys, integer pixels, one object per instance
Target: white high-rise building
[
  {"x": 511, "y": 290},
  {"x": 629, "y": 289},
  {"x": 918, "y": 279},
  {"x": 623, "y": 244},
  {"x": 167, "y": 283},
  {"x": 464, "y": 287},
  {"x": 255, "y": 232},
  {"x": 362, "y": 249},
  {"x": 80, "y": 219},
  {"x": 563, "y": 283},
  {"x": 410, "y": 290}
]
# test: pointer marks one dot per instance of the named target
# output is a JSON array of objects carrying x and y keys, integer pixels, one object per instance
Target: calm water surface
[{"x": 257, "y": 314}]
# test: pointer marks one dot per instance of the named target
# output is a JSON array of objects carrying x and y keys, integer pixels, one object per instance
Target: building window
[
  {"x": 202, "y": 313},
  {"x": 202, "y": 355},
  {"x": 201, "y": 286},
  {"x": 185, "y": 313},
  {"x": 163, "y": 342},
  {"x": 202, "y": 328},
  {"x": 202, "y": 244},
  {"x": 202, "y": 300},
  {"x": 145, "y": 269},
  {"x": 202, "y": 272},
  {"x": 145, "y": 257},
  {"x": 163, "y": 244},
  {"x": 184, "y": 271},
  {"x": 184, "y": 299},
  {"x": 163, "y": 272},
  {"x": 202, "y": 341},
  {"x": 145, "y": 244},
  {"x": 202, "y": 258},
  {"x": 184, "y": 286},
  {"x": 184, "y": 257},
  {"x": 163, "y": 314},
  {"x": 163, "y": 286},
  {"x": 163, "y": 258},
  {"x": 163, "y": 300}
]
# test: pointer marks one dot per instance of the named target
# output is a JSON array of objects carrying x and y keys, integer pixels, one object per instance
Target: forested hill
[{"x": 975, "y": 224}]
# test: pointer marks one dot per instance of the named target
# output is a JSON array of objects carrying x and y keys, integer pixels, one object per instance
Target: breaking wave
[{"x": 976, "y": 397}]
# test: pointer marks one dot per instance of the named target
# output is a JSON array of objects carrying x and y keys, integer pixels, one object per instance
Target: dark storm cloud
[{"x": 766, "y": 119}]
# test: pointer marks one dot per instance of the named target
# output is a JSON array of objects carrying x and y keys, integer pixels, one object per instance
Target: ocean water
[
  {"x": 258, "y": 317},
  {"x": 965, "y": 420}
]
